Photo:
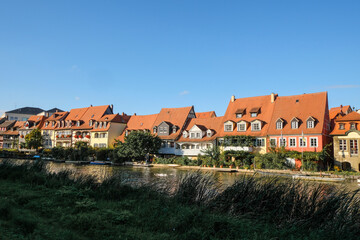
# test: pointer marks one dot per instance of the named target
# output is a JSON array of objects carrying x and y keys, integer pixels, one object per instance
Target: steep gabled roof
[
  {"x": 352, "y": 117},
  {"x": 213, "y": 123},
  {"x": 339, "y": 111},
  {"x": 261, "y": 104},
  {"x": 54, "y": 110},
  {"x": 7, "y": 124},
  {"x": 85, "y": 114},
  {"x": 175, "y": 116},
  {"x": 303, "y": 107},
  {"x": 209, "y": 114}
]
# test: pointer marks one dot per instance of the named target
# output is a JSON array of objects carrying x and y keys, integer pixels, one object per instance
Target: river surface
[{"x": 152, "y": 174}]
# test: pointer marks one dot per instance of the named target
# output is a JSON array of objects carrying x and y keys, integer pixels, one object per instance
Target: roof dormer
[
  {"x": 280, "y": 123},
  {"x": 295, "y": 123},
  {"x": 254, "y": 112},
  {"x": 229, "y": 126},
  {"x": 310, "y": 122},
  {"x": 209, "y": 133},
  {"x": 240, "y": 112},
  {"x": 185, "y": 134}
]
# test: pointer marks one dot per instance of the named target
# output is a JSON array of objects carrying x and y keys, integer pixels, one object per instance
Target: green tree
[
  {"x": 213, "y": 154},
  {"x": 137, "y": 144},
  {"x": 34, "y": 139}
]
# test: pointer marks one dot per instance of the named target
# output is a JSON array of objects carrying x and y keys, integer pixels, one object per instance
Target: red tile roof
[
  {"x": 342, "y": 110},
  {"x": 262, "y": 104},
  {"x": 302, "y": 107},
  {"x": 212, "y": 123},
  {"x": 139, "y": 122},
  {"x": 205, "y": 114},
  {"x": 175, "y": 116},
  {"x": 352, "y": 117}
]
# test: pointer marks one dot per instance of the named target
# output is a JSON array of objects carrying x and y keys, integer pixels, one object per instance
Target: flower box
[
  {"x": 68, "y": 136},
  {"x": 80, "y": 136},
  {"x": 87, "y": 136},
  {"x": 76, "y": 136}
]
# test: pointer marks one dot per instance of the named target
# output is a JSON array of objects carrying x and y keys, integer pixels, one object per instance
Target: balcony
[{"x": 237, "y": 148}]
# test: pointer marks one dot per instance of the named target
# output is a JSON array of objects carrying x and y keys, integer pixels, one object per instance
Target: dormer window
[
  {"x": 78, "y": 123},
  {"x": 46, "y": 124},
  {"x": 310, "y": 123},
  {"x": 295, "y": 123},
  {"x": 240, "y": 112},
  {"x": 96, "y": 124},
  {"x": 208, "y": 133},
  {"x": 254, "y": 112},
  {"x": 90, "y": 123},
  {"x": 126, "y": 133},
  {"x": 341, "y": 126},
  {"x": 53, "y": 123},
  {"x": 104, "y": 124},
  {"x": 241, "y": 126},
  {"x": 62, "y": 124},
  {"x": 185, "y": 134},
  {"x": 256, "y": 126},
  {"x": 155, "y": 129},
  {"x": 174, "y": 129},
  {"x": 279, "y": 124},
  {"x": 100, "y": 125},
  {"x": 228, "y": 126}
]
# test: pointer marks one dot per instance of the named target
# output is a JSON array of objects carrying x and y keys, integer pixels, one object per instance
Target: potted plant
[
  {"x": 87, "y": 136},
  {"x": 76, "y": 136}
]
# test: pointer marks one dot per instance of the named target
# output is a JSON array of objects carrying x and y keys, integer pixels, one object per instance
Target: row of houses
[{"x": 299, "y": 122}]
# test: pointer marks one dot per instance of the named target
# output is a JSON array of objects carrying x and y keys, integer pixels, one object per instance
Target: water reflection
[{"x": 153, "y": 174}]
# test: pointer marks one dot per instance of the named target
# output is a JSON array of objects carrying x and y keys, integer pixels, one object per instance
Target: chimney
[
  {"x": 134, "y": 114},
  {"x": 123, "y": 113},
  {"x": 90, "y": 105},
  {"x": 273, "y": 97},
  {"x": 232, "y": 98}
]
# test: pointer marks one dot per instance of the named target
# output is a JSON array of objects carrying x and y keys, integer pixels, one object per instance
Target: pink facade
[{"x": 313, "y": 143}]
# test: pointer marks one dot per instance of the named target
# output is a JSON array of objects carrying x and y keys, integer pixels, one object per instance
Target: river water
[{"x": 152, "y": 174}]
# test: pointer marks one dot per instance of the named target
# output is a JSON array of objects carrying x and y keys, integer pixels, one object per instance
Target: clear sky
[{"x": 145, "y": 55}]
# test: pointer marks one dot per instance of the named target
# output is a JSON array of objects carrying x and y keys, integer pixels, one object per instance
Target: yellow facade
[
  {"x": 344, "y": 157},
  {"x": 107, "y": 138}
]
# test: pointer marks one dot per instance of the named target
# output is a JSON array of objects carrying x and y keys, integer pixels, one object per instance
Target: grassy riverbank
[{"x": 38, "y": 205}]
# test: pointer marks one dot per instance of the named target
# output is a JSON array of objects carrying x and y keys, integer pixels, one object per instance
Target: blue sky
[{"x": 145, "y": 55}]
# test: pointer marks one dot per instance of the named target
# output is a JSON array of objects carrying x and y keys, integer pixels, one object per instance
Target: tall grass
[{"x": 284, "y": 203}]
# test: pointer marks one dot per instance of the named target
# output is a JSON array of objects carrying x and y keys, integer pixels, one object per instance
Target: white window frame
[
  {"x": 282, "y": 142},
  {"x": 294, "y": 141},
  {"x": 317, "y": 142},
  {"x": 239, "y": 115},
  {"x": 228, "y": 124},
  {"x": 354, "y": 148},
  {"x": 279, "y": 125},
  {"x": 198, "y": 135},
  {"x": 262, "y": 142},
  {"x": 253, "y": 114},
  {"x": 304, "y": 143},
  {"x": 342, "y": 144},
  {"x": 310, "y": 124},
  {"x": 239, "y": 125},
  {"x": 294, "y": 124},
  {"x": 341, "y": 126},
  {"x": 253, "y": 124},
  {"x": 192, "y": 135},
  {"x": 275, "y": 142}
]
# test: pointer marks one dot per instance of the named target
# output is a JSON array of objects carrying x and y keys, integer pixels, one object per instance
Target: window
[
  {"x": 104, "y": 124},
  {"x": 174, "y": 129},
  {"x": 273, "y": 142},
  {"x": 208, "y": 133},
  {"x": 342, "y": 145},
  {"x": 255, "y": 126},
  {"x": 46, "y": 124},
  {"x": 96, "y": 145},
  {"x": 292, "y": 142},
  {"x": 253, "y": 114},
  {"x": 241, "y": 127},
  {"x": 100, "y": 125},
  {"x": 228, "y": 127},
  {"x": 341, "y": 126},
  {"x": 353, "y": 126},
  {"x": 96, "y": 135},
  {"x": 192, "y": 135},
  {"x": 96, "y": 124},
  {"x": 282, "y": 142},
  {"x": 260, "y": 142},
  {"x": 279, "y": 124},
  {"x": 239, "y": 115},
  {"x": 198, "y": 135},
  {"x": 172, "y": 144},
  {"x": 90, "y": 123},
  {"x": 154, "y": 129},
  {"x": 310, "y": 124},
  {"x": 354, "y": 147},
  {"x": 78, "y": 123},
  {"x": 294, "y": 124},
  {"x": 313, "y": 142},
  {"x": 185, "y": 134},
  {"x": 302, "y": 142}
]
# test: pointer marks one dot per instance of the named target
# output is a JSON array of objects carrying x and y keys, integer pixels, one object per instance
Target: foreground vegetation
[{"x": 35, "y": 204}]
